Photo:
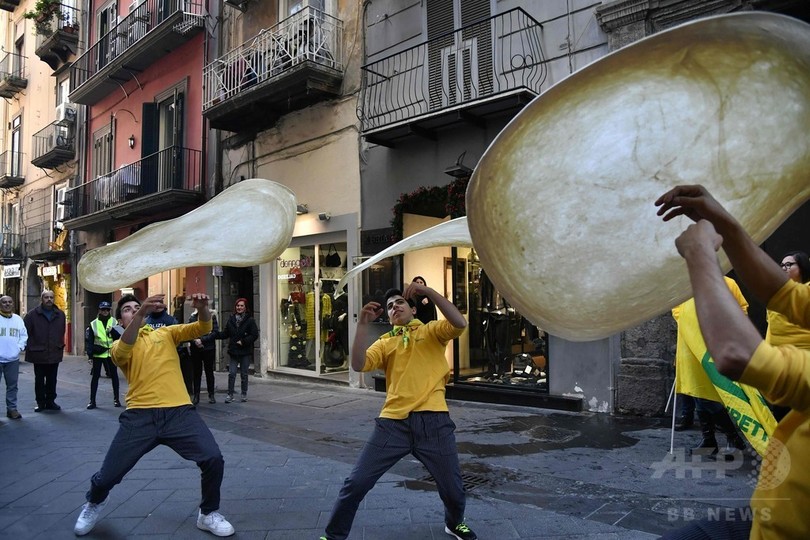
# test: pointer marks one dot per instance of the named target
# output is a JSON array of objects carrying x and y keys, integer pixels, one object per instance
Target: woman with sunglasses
[{"x": 796, "y": 265}]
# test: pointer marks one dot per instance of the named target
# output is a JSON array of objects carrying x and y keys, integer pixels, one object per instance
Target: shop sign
[
  {"x": 11, "y": 271},
  {"x": 303, "y": 262},
  {"x": 375, "y": 240},
  {"x": 49, "y": 271}
]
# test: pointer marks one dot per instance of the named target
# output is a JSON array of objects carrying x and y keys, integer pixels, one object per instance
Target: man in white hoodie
[{"x": 13, "y": 337}]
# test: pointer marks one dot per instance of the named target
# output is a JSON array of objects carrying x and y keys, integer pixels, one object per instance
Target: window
[
  {"x": 16, "y": 146},
  {"x": 291, "y": 7},
  {"x": 102, "y": 159},
  {"x": 62, "y": 91}
]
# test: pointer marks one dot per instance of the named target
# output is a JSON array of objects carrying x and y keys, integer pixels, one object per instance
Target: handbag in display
[
  {"x": 298, "y": 296},
  {"x": 296, "y": 277},
  {"x": 332, "y": 259}
]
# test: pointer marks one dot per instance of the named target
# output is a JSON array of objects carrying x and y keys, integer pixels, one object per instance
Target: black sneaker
[{"x": 460, "y": 532}]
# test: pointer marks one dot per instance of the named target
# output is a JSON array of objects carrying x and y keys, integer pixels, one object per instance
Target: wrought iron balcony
[
  {"x": 13, "y": 78},
  {"x": 58, "y": 36},
  {"x": 52, "y": 146},
  {"x": 10, "y": 248},
  {"x": 153, "y": 29},
  {"x": 491, "y": 67},
  {"x": 11, "y": 171},
  {"x": 284, "y": 68},
  {"x": 46, "y": 242},
  {"x": 168, "y": 182},
  {"x": 9, "y": 5}
]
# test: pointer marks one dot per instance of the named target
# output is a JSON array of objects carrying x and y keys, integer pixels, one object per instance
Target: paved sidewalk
[{"x": 530, "y": 473}]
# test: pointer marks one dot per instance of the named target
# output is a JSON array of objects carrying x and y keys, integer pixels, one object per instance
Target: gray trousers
[
  {"x": 179, "y": 428},
  {"x": 430, "y": 438}
]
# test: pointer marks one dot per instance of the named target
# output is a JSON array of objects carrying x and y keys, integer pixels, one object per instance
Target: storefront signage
[
  {"x": 49, "y": 271},
  {"x": 375, "y": 240},
  {"x": 11, "y": 271},
  {"x": 303, "y": 262}
]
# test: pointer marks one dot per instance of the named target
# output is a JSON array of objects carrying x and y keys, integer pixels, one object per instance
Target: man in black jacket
[{"x": 46, "y": 345}]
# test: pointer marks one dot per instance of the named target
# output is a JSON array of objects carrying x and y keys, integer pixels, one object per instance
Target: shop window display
[
  {"x": 505, "y": 349},
  {"x": 313, "y": 325}
]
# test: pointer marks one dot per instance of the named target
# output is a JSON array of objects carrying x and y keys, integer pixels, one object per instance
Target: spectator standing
[
  {"x": 203, "y": 355},
  {"x": 13, "y": 337},
  {"x": 241, "y": 331},
  {"x": 46, "y": 345},
  {"x": 97, "y": 344},
  {"x": 425, "y": 308}
]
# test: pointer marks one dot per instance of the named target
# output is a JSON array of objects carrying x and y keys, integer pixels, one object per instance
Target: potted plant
[{"x": 44, "y": 13}]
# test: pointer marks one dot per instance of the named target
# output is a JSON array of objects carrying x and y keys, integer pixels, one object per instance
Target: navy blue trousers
[
  {"x": 430, "y": 438},
  {"x": 142, "y": 430}
]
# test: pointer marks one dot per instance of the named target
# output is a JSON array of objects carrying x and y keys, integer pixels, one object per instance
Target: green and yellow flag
[{"x": 697, "y": 376}]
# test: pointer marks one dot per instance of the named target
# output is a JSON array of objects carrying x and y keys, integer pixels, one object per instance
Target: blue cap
[{"x": 105, "y": 305}]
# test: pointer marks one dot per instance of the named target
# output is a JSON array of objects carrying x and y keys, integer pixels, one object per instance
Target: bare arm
[
  {"x": 448, "y": 309},
  {"x": 730, "y": 336},
  {"x": 754, "y": 267},
  {"x": 370, "y": 311},
  {"x": 148, "y": 306}
]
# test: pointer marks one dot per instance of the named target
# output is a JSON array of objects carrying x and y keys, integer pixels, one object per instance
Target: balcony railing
[
  {"x": 58, "y": 36},
  {"x": 13, "y": 78},
  {"x": 52, "y": 146},
  {"x": 45, "y": 241},
  {"x": 143, "y": 186},
  {"x": 11, "y": 169},
  {"x": 152, "y": 29},
  {"x": 11, "y": 246},
  {"x": 494, "y": 57},
  {"x": 300, "y": 55}
]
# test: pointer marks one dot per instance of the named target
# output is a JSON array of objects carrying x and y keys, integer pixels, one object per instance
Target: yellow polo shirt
[
  {"x": 415, "y": 376},
  {"x": 152, "y": 367}
]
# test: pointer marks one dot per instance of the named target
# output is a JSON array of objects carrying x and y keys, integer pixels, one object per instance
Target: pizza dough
[
  {"x": 560, "y": 206},
  {"x": 247, "y": 224}
]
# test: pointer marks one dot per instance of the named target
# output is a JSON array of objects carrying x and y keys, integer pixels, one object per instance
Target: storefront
[
  {"x": 12, "y": 274},
  {"x": 310, "y": 327}
]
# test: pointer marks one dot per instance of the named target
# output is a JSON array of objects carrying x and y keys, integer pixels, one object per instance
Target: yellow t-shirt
[
  {"x": 782, "y": 374},
  {"x": 415, "y": 376},
  {"x": 152, "y": 367},
  {"x": 782, "y": 332}
]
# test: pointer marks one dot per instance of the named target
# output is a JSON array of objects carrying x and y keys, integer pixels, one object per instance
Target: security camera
[{"x": 324, "y": 216}]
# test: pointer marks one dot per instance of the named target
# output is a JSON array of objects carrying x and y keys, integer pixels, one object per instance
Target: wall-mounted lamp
[
  {"x": 324, "y": 216},
  {"x": 301, "y": 209},
  {"x": 458, "y": 169},
  {"x": 131, "y": 141}
]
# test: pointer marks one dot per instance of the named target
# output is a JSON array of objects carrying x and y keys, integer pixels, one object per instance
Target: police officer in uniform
[{"x": 97, "y": 343}]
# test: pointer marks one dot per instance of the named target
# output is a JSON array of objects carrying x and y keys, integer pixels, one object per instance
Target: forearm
[
  {"x": 730, "y": 336},
  {"x": 448, "y": 309},
  {"x": 753, "y": 266},
  {"x": 203, "y": 314},
  {"x": 131, "y": 331},
  {"x": 359, "y": 346}
]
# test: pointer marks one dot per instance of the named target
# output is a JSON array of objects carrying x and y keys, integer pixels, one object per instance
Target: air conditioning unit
[
  {"x": 62, "y": 197},
  {"x": 61, "y": 213},
  {"x": 65, "y": 114}
]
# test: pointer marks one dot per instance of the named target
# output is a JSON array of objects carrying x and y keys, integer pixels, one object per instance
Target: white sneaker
[
  {"x": 214, "y": 523},
  {"x": 89, "y": 517}
]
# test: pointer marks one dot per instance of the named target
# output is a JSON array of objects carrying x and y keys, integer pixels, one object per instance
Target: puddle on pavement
[{"x": 519, "y": 435}]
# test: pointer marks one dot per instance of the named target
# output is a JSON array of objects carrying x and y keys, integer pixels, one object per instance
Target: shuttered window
[{"x": 459, "y": 64}]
